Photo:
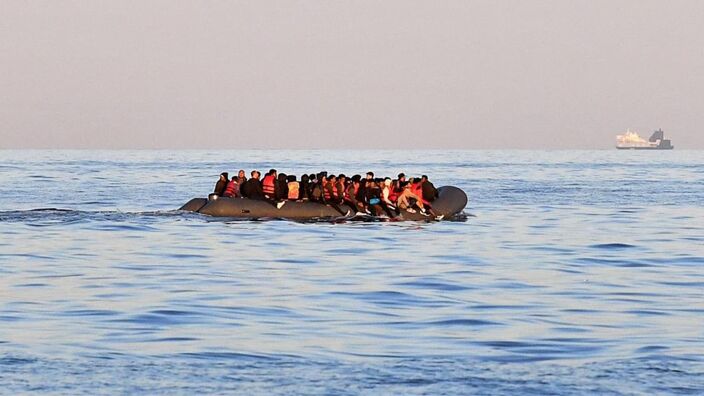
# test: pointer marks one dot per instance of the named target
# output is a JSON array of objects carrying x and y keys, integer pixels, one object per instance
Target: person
[
  {"x": 397, "y": 183},
  {"x": 303, "y": 188},
  {"x": 316, "y": 190},
  {"x": 387, "y": 197},
  {"x": 270, "y": 188},
  {"x": 385, "y": 188},
  {"x": 282, "y": 187},
  {"x": 351, "y": 193},
  {"x": 241, "y": 177},
  {"x": 407, "y": 199},
  {"x": 430, "y": 193},
  {"x": 221, "y": 184},
  {"x": 233, "y": 188},
  {"x": 373, "y": 199},
  {"x": 269, "y": 184},
  {"x": 252, "y": 188},
  {"x": 312, "y": 182},
  {"x": 330, "y": 195},
  {"x": 417, "y": 189},
  {"x": 361, "y": 196},
  {"x": 370, "y": 175},
  {"x": 329, "y": 191},
  {"x": 340, "y": 186},
  {"x": 294, "y": 191}
]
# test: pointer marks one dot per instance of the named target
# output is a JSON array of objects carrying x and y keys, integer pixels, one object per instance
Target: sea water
[{"x": 575, "y": 272}]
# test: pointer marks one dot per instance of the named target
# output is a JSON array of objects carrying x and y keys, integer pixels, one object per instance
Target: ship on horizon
[{"x": 633, "y": 141}]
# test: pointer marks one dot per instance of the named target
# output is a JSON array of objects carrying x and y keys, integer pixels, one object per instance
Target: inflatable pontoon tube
[{"x": 450, "y": 202}]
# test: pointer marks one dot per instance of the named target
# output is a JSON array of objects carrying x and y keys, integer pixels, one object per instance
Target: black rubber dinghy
[{"x": 450, "y": 202}]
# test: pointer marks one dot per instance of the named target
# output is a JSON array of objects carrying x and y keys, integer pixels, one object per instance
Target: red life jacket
[
  {"x": 396, "y": 191},
  {"x": 393, "y": 194},
  {"x": 231, "y": 189},
  {"x": 268, "y": 185},
  {"x": 326, "y": 191},
  {"x": 354, "y": 191}
]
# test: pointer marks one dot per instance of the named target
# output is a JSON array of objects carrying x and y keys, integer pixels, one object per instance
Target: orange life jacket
[
  {"x": 417, "y": 189},
  {"x": 293, "y": 190},
  {"x": 326, "y": 191},
  {"x": 268, "y": 185}
]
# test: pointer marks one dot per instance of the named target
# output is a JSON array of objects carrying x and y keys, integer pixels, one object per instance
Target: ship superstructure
[{"x": 632, "y": 141}]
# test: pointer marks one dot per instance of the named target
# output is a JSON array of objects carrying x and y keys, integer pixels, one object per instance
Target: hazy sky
[{"x": 367, "y": 74}]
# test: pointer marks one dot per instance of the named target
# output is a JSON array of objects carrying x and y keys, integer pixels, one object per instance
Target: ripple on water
[
  {"x": 395, "y": 299},
  {"x": 463, "y": 323},
  {"x": 613, "y": 246},
  {"x": 432, "y": 284},
  {"x": 163, "y": 318},
  {"x": 616, "y": 262}
]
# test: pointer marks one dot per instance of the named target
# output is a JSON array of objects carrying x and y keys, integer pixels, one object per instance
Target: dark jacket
[
  {"x": 281, "y": 187},
  {"x": 429, "y": 191},
  {"x": 362, "y": 192},
  {"x": 372, "y": 192},
  {"x": 220, "y": 187},
  {"x": 304, "y": 189},
  {"x": 316, "y": 192},
  {"x": 252, "y": 189}
]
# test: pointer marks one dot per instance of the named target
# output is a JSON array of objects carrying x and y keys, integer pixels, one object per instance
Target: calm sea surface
[{"x": 576, "y": 272}]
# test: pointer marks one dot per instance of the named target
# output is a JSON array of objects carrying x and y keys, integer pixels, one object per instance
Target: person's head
[
  {"x": 405, "y": 184},
  {"x": 424, "y": 178},
  {"x": 291, "y": 178},
  {"x": 370, "y": 175},
  {"x": 255, "y": 174},
  {"x": 312, "y": 177},
  {"x": 224, "y": 176},
  {"x": 356, "y": 178},
  {"x": 387, "y": 182},
  {"x": 282, "y": 176},
  {"x": 305, "y": 178},
  {"x": 401, "y": 177},
  {"x": 332, "y": 178},
  {"x": 342, "y": 178},
  {"x": 241, "y": 174}
]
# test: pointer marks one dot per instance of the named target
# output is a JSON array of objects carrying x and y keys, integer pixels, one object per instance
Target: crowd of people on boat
[{"x": 381, "y": 197}]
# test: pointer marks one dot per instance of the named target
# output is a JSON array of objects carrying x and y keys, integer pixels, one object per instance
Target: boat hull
[
  {"x": 645, "y": 148},
  {"x": 450, "y": 202}
]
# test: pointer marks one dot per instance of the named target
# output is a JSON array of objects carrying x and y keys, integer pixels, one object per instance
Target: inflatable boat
[{"x": 450, "y": 203}]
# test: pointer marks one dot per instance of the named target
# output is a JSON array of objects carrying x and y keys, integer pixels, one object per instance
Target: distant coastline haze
[{"x": 341, "y": 74}]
